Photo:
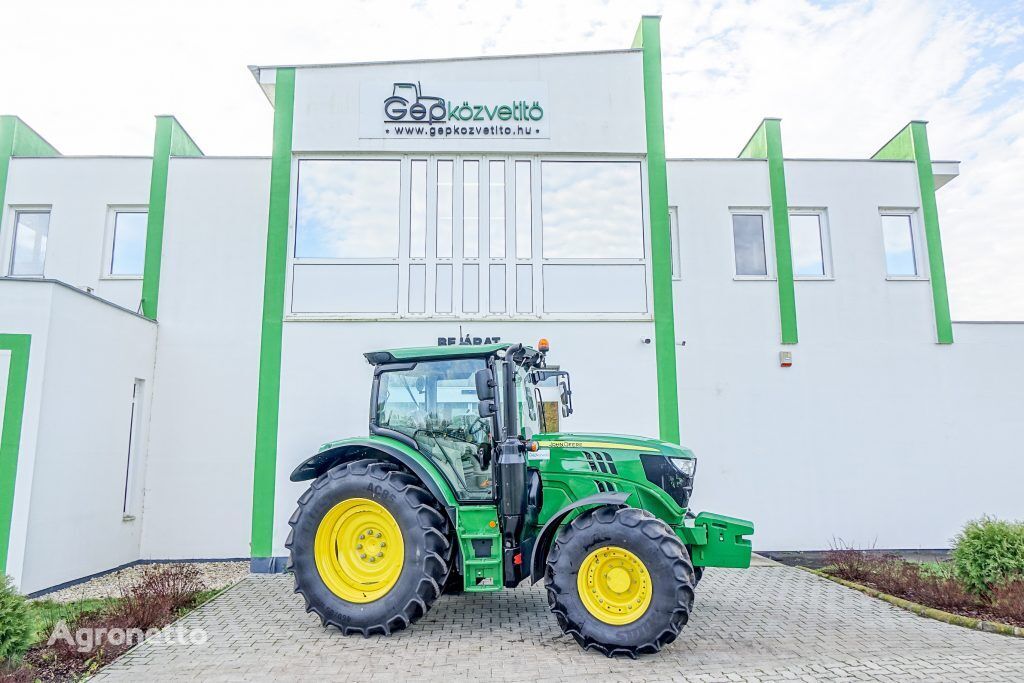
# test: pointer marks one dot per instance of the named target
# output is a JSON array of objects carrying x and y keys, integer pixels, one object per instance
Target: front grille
[{"x": 663, "y": 474}]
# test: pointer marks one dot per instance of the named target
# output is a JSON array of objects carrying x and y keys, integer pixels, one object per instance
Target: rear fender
[{"x": 382, "y": 449}]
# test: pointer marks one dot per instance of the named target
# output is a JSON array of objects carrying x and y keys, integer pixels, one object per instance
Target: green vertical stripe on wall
[
  {"x": 648, "y": 37},
  {"x": 169, "y": 140},
  {"x": 10, "y": 432},
  {"x": 268, "y": 399},
  {"x": 911, "y": 144},
  {"x": 766, "y": 143},
  {"x": 780, "y": 221},
  {"x": 7, "y": 124},
  {"x": 18, "y": 139},
  {"x": 930, "y": 211}
]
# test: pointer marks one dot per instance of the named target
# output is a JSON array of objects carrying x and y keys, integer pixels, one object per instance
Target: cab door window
[{"x": 435, "y": 404}]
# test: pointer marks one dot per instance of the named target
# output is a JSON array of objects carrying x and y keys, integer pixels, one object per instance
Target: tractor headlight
[
  {"x": 687, "y": 466},
  {"x": 674, "y": 476}
]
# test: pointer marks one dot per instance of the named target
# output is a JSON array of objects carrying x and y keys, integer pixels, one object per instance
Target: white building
[{"x": 178, "y": 332}]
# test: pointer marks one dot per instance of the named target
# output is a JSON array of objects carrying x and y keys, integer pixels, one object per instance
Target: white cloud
[{"x": 844, "y": 77}]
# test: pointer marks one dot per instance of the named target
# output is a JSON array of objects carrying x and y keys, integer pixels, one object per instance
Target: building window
[
  {"x": 496, "y": 172},
  {"x": 131, "y": 465},
  {"x": 592, "y": 209},
  {"x": 445, "y": 206},
  {"x": 467, "y": 237},
  {"x": 471, "y": 209},
  {"x": 418, "y": 209},
  {"x": 749, "y": 245},
  {"x": 901, "y": 248},
  {"x": 348, "y": 208},
  {"x": 677, "y": 259},
  {"x": 31, "y": 229},
  {"x": 809, "y": 243},
  {"x": 128, "y": 244},
  {"x": 524, "y": 211}
]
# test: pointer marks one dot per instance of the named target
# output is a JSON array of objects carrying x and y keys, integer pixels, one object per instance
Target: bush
[
  {"x": 988, "y": 552},
  {"x": 1008, "y": 600},
  {"x": 16, "y": 630},
  {"x": 158, "y": 595},
  {"x": 889, "y": 573},
  {"x": 849, "y": 564}
]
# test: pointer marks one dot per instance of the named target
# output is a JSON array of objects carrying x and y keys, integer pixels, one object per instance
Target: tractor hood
[{"x": 584, "y": 441}]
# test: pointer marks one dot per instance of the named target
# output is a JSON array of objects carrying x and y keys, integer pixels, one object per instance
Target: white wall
[
  {"x": 325, "y": 382},
  {"x": 86, "y": 359},
  {"x": 80, "y": 192},
  {"x": 199, "y": 486},
  {"x": 877, "y": 435},
  {"x": 25, "y": 309},
  {"x": 596, "y": 102}
]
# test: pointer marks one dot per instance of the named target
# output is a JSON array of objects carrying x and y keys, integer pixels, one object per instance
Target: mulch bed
[{"x": 978, "y": 612}]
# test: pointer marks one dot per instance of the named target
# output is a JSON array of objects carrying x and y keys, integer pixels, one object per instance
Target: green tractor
[{"x": 466, "y": 484}]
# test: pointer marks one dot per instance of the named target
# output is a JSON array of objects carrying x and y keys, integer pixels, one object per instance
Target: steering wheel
[{"x": 477, "y": 426}]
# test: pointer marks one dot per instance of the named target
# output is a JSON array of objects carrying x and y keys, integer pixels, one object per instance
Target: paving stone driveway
[{"x": 759, "y": 624}]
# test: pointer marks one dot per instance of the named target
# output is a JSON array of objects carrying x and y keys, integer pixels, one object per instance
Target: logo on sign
[
  {"x": 453, "y": 110},
  {"x": 408, "y": 103}
]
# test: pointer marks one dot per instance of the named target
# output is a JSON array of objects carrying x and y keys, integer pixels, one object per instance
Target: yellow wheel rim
[
  {"x": 359, "y": 550},
  {"x": 614, "y": 585}
]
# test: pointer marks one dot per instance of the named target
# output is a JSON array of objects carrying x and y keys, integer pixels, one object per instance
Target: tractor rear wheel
[
  {"x": 619, "y": 581},
  {"x": 369, "y": 548}
]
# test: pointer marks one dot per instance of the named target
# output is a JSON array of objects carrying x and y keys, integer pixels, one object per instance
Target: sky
[{"x": 843, "y": 76}]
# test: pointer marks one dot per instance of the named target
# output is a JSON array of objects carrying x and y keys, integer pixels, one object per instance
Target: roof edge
[{"x": 256, "y": 68}]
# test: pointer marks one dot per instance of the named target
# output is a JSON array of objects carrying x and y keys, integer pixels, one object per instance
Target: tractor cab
[{"x": 455, "y": 404}]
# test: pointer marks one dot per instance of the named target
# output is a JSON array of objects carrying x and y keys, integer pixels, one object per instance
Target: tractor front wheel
[
  {"x": 619, "y": 581},
  {"x": 369, "y": 549}
]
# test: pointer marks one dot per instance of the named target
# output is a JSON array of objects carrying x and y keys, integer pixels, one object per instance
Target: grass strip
[{"x": 924, "y": 610}]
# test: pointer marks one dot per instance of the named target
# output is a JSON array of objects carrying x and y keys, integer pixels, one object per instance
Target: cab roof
[{"x": 422, "y": 353}]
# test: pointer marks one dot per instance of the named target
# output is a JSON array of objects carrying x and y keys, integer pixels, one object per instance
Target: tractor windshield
[{"x": 435, "y": 404}]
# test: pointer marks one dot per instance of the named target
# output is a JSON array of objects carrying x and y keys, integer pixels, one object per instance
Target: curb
[{"x": 924, "y": 610}]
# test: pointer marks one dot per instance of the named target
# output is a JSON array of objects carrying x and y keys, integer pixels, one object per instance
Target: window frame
[
  {"x": 919, "y": 245},
  {"x": 677, "y": 249},
  {"x": 768, "y": 230},
  {"x": 109, "y": 238},
  {"x": 459, "y": 261},
  {"x": 404, "y": 210},
  {"x": 12, "y": 234},
  {"x": 825, "y": 235}
]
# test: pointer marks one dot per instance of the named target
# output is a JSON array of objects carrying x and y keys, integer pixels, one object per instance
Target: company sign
[
  {"x": 415, "y": 109},
  {"x": 466, "y": 340}
]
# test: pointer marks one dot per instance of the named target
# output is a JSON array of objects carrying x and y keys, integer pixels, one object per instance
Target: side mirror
[
  {"x": 565, "y": 391},
  {"x": 484, "y": 385},
  {"x": 487, "y": 409}
]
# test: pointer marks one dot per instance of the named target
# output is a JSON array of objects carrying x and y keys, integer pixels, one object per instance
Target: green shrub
[
  {"x": 15, "y": 623},
  {"x": 988, "y": 552}
]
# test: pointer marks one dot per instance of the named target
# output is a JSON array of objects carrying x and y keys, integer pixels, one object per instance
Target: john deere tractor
[{"x": 465, "y": 484}]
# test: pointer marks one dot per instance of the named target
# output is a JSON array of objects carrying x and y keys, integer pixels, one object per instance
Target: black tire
[
  {"x": 454, "y": 585},
  {"x": 665, "y": 558},
  {"x": 424, "y": 533}
]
